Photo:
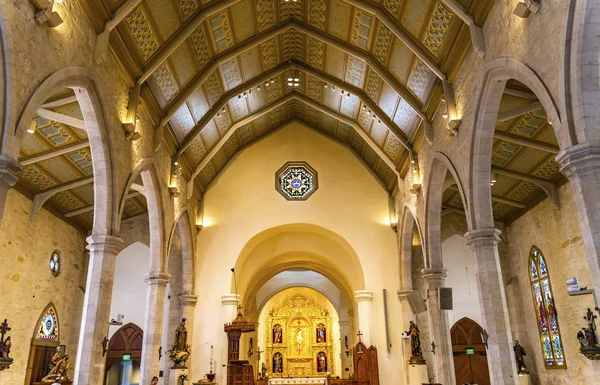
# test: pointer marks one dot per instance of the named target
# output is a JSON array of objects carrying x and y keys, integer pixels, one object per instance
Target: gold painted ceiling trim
[
  {"x": 280, "y": 102},
  {"x": 498, "y": 199},
  {"x": 87, "y": 209},
  {"x": 546, "y": 185},
  {"x": 40, "y": 198},
  {"x": 522, "y": 141},
  {"x": 54, "y": 153},
  {"x": 476, "y": 33}
]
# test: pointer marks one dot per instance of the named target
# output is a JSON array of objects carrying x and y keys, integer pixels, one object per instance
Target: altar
[{"x": 298, "y": 381}]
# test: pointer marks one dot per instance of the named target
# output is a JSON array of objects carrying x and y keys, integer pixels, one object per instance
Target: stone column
[
  {"x": 581, "y": 165},
  {"x": 89, "y": 367},
  {"x": 345, "y": 331},
  {"x": 363, "y": 300},
  {"x": 492, "y": 299},
  {"x": 187, "y": 303},
  {"x": 9, "y": 168},
  {"x": 439, "y": 328},
  {"x": 153, "y": 327}
]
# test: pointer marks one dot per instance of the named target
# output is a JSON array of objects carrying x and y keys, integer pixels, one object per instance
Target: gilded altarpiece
[{"x": 299, "y": 339}]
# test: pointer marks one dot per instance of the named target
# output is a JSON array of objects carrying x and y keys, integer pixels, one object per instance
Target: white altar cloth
[{"x": 298, "y": 381}]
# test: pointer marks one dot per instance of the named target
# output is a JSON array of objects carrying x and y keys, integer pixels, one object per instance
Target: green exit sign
[
  {"x": 126, "y": 357},
  {"x": 470, "y": 351}
]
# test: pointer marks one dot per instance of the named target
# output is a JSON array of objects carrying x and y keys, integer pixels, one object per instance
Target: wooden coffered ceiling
[
  {"x": 523, "y": 153},
  {"x": 57, "y": 164},
  {"x": 225, "y": 84}
]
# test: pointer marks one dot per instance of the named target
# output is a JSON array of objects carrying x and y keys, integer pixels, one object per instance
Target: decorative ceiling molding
[
  {"x": 548, "y": 187},
  {"x": 87, "y": 209},
  {"x": 102, "y": 39},
  {"x": 61, "y": 118},
  {"x": 519, "y": 111},
  {"x": 476, "y": 33},
  {"x": 498, "y": 199}
]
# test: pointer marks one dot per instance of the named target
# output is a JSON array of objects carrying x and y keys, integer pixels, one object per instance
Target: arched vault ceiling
[{"x": 235, "y": 45}]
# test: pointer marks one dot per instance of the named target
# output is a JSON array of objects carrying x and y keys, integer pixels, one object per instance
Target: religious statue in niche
[
  {"x": 322, "y": 362},
  {"x": 520, "y": 357},
  {"x": 415, "y": 344},
  {"x": 5, "y": 344},
  {"x": 277, "y": 363},
  {"x": 277, "y": 334},
  {"x": 60, "y": 353},
  {"x": 263, "y": 371},
  {"x": 180, "y": 352},
  {"x": 60, "y": 369},
  {"x": 587, "y": 337},
  {"x": 321, "y": 333}
]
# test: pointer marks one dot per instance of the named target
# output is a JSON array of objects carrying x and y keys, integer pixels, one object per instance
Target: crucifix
[
  {"x": 3, "y": 330},
  {"x": 359, "y": 336}
]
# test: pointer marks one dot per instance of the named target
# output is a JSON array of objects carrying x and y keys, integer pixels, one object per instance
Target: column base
[
  {"x": 174, "y": 376},
  {"x": 417, "y": 375}
]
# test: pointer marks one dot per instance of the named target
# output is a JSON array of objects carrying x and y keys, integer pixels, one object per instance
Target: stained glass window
[
  {"x": 54, "y": 263},
  {"x": 48, "y": 325},
  {"x": 296, "y": 181},
  {"x": 545, "y": 311}
]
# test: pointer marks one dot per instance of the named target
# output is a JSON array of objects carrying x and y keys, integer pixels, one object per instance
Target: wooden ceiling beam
[
  {"x": 511, "y": 138},
  {"x": 215, "y": 62},
  {"x": 499, "y": 199},
  {"x": 390, "y": 125},
  {"x": 102, "y": 39},
  {"x": 520, "y": 93},
  {"x": 384, "y": 17},
  {"x": 87, "y": 209},
  {"x": 476, "y": 33},
  {"x": 278, "y": 103},
  {"x": 60, "y": 102},
  {"x": 54, "y": 153},
  {"x": 519, "y": 111},
  {"x": 40, "y": 198},
  {"x": 548, "y": 187},
  {"x": 61, "y": 118}
]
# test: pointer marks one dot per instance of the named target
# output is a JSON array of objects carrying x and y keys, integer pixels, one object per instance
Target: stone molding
[
  {"x": 230, "y": 299},
  {"x": 104, "y": 243},
  {"x": 363, "y": 295},
  {"x": 187, "y": 299},
  {"x": 434, "y": 273},
  {"x": 9, "y": 169},
  {"x": 483, "y": 237},
  {"x": 157, "y": 278},
  {"x": 579, "y": 158}
]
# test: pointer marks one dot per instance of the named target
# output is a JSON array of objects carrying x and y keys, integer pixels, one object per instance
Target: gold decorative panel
[{"x": 299, "y": 331}]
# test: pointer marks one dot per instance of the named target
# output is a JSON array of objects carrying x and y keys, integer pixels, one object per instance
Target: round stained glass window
[
  {"x": 296, "y": 181},
  {"x": 55, "y": 263}
]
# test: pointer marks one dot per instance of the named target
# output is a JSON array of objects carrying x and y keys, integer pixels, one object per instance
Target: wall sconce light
[
  {"x": 525, "y": 8},
  {"x": 493, "y": 178},
  {"x": 393, "y": 214},
  {"x": 416, "y": 177},
  {"x": 174, "y": 192},
  {"x": 45, "y": 14},
  {"x": 200, "y": 214},
  {"x": 32, "y": 127},
  {"x": 453, "y": 126}
]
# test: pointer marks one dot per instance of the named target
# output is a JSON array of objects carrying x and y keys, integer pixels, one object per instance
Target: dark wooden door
[
  {"x": 469, "y": 368},
  {"x": 41, "y": 362}
]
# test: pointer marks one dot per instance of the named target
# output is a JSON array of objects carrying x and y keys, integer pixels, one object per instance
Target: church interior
[{"x": 286, "y": 192}]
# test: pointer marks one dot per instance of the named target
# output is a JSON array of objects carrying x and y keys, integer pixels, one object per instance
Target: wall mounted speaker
[{"x": 445, "y": 297}]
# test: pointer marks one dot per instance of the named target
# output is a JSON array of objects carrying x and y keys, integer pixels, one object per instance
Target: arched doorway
[
  {"x": 470, "y": 356},
  {"x": 123, "y": 356},
  {"x": 44, "y": 345}
]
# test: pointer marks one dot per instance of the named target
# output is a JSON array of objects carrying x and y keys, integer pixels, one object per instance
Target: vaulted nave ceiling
[{"x": 218, "y": 71}]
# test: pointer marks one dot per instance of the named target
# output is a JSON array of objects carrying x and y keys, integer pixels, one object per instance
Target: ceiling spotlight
[
  {"x": 378, "y": 121},
  {"x": 296, "y": 79},
  {"x": 290, "y": 79},
  {"x": 296, "y": 84},
  {"x": 245, "y": 94},
  {"x": 364, "y": 107},
  {"x": 272, "y": 81},
  {"x": 290, "y": 84},
  {"x": 250, "y": 92},
  {"x": 325, "y": 85},
  {"x": 176, "y": 163},
  {"x": 493, "y": 178},
  {"x": 342, "y": 92},
  {"x": 219, "y": 114},
  {"x": 258, "y": 88},
  {"x": 348, "y": 95},
  {"x": 32, "y": 127},
  {"x": 239, "y": 96},
  {"x": 333, "y": 88},
  {"x": 445, "y": 115}
]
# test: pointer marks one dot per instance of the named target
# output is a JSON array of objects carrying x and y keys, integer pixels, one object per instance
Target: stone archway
[
  {"x": 469, "y": 352},
  {"x": 124, "y": 350}
]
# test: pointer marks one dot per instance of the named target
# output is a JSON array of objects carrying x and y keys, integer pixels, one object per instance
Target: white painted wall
[
  {"x": 460, "y": 262},
  {"x": 129, "y": 288}
]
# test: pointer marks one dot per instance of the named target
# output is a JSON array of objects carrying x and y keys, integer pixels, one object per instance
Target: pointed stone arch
[{"x": 44, "y": 342}]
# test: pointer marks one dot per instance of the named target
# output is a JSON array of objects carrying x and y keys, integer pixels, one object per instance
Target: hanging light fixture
[{"x": 32, "y": 127}]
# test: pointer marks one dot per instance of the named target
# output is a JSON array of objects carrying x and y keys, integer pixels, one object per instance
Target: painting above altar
[{"x": 298, "y": 339}]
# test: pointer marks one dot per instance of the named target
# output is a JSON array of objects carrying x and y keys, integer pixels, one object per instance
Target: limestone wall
[
  {"x": 28, "y": 284},
  {"x": 556, "y": 233}
]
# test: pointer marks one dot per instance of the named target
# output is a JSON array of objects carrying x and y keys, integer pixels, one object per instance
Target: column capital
[
  {"x": 187, "y": 299},
  {"x": 230, "y": 299},
  {"x": 350, "y": 313},
  {"x": 488, "y": 236},
  {"x": 9, "y": 169},
  {"x": 363, "y": 295},
  {"x": 104, "y": 243},
  {"x": 157, "y": 278},
  {"x": 433, "y": 273},
  {"x": 579, "y": 158}
]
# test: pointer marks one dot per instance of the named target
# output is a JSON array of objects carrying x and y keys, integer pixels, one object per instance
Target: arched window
[{"x": 543, "y": 300}]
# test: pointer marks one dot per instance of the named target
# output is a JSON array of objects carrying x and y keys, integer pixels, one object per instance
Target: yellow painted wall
[{"x": 243, "y": 202}]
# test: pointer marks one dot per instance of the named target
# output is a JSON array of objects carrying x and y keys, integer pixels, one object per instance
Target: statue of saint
[
  {"x": 415, "y": 344},
  {"x": 277, "y": 363},
  {"x": 322, "y": 363},
  {"x": 263, "y": 370},
  {"x": 321, "y": 333},
  {"x": 277, "y": 334},
  {"x": 181, "y": 338},
  {"x": 299, "y": 337},
  {"x": 58, "y": 371},
  {"x": 520, "y": 357},
  {"x": 5, "y": 348}
]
